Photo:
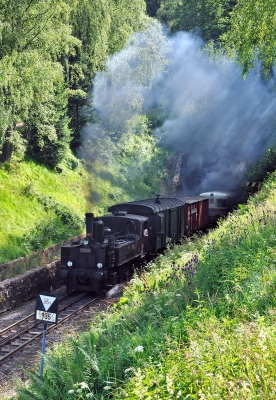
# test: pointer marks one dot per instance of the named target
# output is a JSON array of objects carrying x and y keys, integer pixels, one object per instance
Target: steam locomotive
[{"x": 132, "y": 232}]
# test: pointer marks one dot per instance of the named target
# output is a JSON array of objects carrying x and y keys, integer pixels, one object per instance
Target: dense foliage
[
  {"x": 252, "y": 31},
  {"x": 258, "y": 172},
  {"x": 245, "y": 28},
  {"x": 50, "y": 52},
  {"x": 103, "y": 27},
  {"x": 206, "y": 17},
  {"x": 32, "y": 88}
]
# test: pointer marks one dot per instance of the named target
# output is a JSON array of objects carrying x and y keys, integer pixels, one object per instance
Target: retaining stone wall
[
  {"x": 24, "y": 278},
  {"x": 26, "y": 286}
]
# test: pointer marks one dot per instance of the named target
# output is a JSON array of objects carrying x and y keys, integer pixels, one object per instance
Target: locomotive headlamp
[
  {"x": 85, "y": 242},
  {"x": 69, "y": 263},
  {"x": 99, "y": 265}
]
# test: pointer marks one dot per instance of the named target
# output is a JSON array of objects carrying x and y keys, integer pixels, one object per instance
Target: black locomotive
[{"x": 134, "y": 231}]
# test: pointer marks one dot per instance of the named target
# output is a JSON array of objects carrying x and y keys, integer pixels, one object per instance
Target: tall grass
[
  {"x": 199, "y": 323},
  {"x": 36, "y": 201}
]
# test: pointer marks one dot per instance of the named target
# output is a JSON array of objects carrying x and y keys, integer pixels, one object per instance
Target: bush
[
  {"x": 49, "y": 143},
  {"x": 63, "y": 223},
  {"x": 44, "y": 234},
  {"x": 259, "y": 171},
  {"x": 71, "y": 162}
]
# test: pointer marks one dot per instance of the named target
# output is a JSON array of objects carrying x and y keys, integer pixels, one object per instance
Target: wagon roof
[
  {"x": 148, "y": 206},
  {"x": 215, "y": 195},
  {"x": 140, "y": 218},
  {"x": 194, "y": 199}
]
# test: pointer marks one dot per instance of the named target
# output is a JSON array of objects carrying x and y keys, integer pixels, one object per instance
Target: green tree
[
  {"x": 103, "y": 27},
  {"x": 47, "y": 131},
  {"x": 91, "y": 22},
  {"x": 252, "y": 30},
  {"x": 207, "y": 16},
  {"x": 33, "y": 37},
  {"x": 127, "y": 17},
  {"x": 118, "y": 91},
  {"x": 35, "y": 94}
]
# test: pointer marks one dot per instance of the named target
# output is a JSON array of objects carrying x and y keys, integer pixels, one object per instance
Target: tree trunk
[{"x": 7, "y": 148}]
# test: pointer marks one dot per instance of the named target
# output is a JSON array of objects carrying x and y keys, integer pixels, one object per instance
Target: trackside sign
[{"x": 46, "y": 308}]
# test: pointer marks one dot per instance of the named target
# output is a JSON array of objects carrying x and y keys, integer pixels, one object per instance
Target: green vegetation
[
  {"x": 245, "y": 29},
  {"x": 198, "y": 323},
  {"x": 259, "y": 171},
  {"x": 41, "y": 207},
  {"x": 251, "y": 31},
  {"x": 103, "y": 28},
  {"x": 136, "y": 160},
  {"x": 49, "y": 54},
  {"x": 207, "y": 17},
  {"x": 48, "y": 59}
]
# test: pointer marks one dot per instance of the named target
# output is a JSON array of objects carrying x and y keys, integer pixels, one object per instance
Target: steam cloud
[{"x": 220, "y": 122}]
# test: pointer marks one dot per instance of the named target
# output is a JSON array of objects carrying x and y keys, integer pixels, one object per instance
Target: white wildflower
[
  {"x": 71, "y": 391},
  {"x": 128, "y": 370},
  {"x": 84, "y": 385},
  {"x": 139, "y": 349}
]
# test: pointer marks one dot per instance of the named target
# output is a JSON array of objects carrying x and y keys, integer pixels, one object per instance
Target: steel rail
[
  {"x": 28, "y": 322},
  {"x": 36, "y": 335}
]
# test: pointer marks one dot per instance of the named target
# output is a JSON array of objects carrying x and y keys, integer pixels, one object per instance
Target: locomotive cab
[
  {"x": 165, "y": 215},
  {"x": 128, "y": 233}
]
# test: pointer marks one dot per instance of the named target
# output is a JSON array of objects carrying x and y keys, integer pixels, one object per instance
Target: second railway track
[{"x": 22, "y": 333}]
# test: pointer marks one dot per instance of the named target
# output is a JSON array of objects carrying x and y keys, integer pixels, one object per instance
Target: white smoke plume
[{"x": 220, "y": 122}]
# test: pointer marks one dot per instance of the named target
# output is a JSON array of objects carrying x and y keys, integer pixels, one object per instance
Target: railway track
[{"x": 22, "y": 333}]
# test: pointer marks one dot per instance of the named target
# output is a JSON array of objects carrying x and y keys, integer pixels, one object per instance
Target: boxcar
[{"x": 196, "y": 214}]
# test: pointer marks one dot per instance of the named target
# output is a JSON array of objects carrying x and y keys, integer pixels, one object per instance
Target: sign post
[{"x": 47, "y": 311}]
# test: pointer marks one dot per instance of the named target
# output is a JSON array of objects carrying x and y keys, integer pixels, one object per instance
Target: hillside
[
  {"x": 34, "y": 200},
  {"x": 41, "y": 206},
  {"x": 198, "y": 323}
]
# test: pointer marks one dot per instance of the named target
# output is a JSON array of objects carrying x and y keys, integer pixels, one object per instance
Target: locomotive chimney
[{"x": 89, "y": 225}]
